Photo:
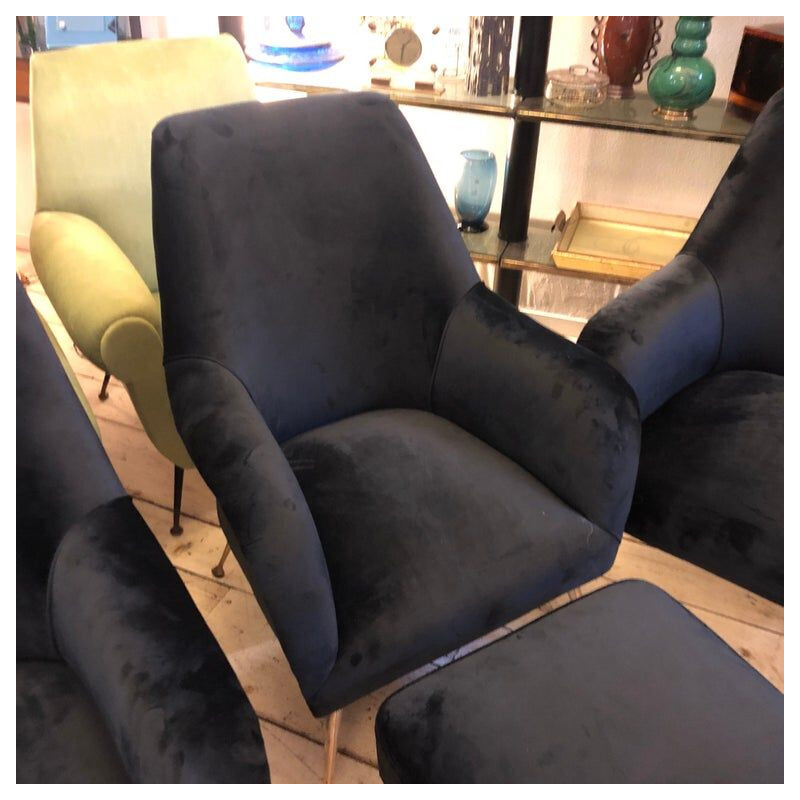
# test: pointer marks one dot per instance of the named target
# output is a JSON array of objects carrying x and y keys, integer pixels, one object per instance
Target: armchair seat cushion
[
  {"x": 61, "y": 737},
  {"x": 710, "y": 484},
  {"x": 432, "y": 538}
]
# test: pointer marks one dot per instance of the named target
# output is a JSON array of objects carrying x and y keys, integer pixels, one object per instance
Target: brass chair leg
[
  {"x": 176, "y": 529},
  {"x": 104, "y": 388},
  {"x": 219, "y": 570},
  {"x": 331, "y": 739}
]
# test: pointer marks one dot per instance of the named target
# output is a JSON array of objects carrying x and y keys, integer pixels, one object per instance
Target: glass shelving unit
[{"x": 713, "y": 122}]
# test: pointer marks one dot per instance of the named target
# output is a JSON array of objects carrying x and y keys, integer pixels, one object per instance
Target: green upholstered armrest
[
  {"x": 110, "y": 313},
  {"x": 93, "y": 286}
]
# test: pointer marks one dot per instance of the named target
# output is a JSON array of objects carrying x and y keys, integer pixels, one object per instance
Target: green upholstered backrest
[{"x": 94, "y": 109}]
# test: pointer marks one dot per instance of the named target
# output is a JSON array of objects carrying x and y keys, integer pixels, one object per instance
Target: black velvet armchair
[
  {"x": 402, "y": 461},
  {"x": 701, "y": 343},
  {"x": 118, "y": 677}
]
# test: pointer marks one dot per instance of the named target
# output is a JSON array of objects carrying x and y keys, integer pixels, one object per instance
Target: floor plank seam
[
  {"x": 130, "y": 426},
  {"x": 214, "y": 580},
  {"x": 732, "y": 619},
  {"x": 343, "y": 751},
  {"x": 186, "y": 514}
]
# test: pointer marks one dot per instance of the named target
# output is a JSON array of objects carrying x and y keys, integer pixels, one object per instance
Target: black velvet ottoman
[{"x": 624, "y": 685}]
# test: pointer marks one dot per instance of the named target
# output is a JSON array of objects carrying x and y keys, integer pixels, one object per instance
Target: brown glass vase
[{"x": 623, "y": 48}]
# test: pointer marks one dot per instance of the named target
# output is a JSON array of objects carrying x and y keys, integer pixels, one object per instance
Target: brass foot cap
[{"x": 674, "y": 114}]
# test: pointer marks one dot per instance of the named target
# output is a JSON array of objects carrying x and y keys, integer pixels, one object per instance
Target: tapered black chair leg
[
  {"x": 104, "y": 388},
  {"x": 176, "y": 529},
  {"x": 219, "y": 570}
]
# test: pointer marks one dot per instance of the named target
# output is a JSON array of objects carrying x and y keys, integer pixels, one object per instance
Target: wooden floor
[{"x": 293, "y": 737}]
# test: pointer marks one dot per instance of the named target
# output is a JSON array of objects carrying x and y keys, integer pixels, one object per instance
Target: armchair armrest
[
  {"x": 91, "y": 283},
  {"x": 110, "y": 313},
  {"x": 125, "y": 624},
  {"x": 663, "y": 333},
  {"x": 273, "y": 533},
  {"x": 553, "y": 407}
]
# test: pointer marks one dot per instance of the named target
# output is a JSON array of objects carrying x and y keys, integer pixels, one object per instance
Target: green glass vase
[{"x": 681, "y": 82}]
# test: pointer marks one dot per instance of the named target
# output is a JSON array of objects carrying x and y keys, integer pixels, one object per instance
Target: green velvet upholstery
[{"x": 93, "y": 110}]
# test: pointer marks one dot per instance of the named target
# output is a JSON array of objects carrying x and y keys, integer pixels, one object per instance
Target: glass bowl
[{"x": 576, "y": 87}]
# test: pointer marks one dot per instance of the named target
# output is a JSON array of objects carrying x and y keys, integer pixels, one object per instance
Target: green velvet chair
[{"x": 93, "y": 110}]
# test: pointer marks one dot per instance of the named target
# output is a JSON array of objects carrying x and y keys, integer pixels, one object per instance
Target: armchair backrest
[
  {"x": 718, "y": 305},
  {"x": 322, "y": 258},
  {"x": 93, "y": 111},
  {"x": 63, "y": 473},
  {"x": 739, "y": 239}
]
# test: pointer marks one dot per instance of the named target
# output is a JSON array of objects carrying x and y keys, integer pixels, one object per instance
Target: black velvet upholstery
[
  {"x": 708, "y": 487},
  {"x": 717, "y": 307},
  {"x": 739, "y": 239},
  {"x": 661, "y": 334},
  {"x": 54, "y": 459},
  {"x": 330, "y": 203},
  {"x": 118, "y": 677},
  {"x": 276, "y": 540},
  {"x": 622, "y": 686},
  {"x": 542, "y": 401},
  {"x": 61, "y": 737},
  {"x": 404, "y": 535},
  {"x": 332, "y": 312}
]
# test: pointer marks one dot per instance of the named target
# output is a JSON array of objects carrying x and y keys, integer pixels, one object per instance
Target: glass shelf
[
  {"x": 486, "y": 246},
  {"x": 535, "y": 253},
  {"x": 342, "y": 78},
  {"x": 713, "y": 122}
]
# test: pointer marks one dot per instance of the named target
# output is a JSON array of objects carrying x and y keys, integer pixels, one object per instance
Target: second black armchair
[
  {"x": 701, "y": 343},
  {"x": 402, "y": 461},
  {"x": 119, "y": 678}
]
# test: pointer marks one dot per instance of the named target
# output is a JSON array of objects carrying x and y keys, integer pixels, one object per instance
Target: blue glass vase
[{"x": 475, "y": 189}]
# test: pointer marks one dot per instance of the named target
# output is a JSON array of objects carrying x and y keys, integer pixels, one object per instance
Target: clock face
[{"x": 403, "y": 47}]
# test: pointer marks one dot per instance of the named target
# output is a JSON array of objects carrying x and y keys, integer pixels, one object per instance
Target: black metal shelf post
[{"x": 529, "y": 80}]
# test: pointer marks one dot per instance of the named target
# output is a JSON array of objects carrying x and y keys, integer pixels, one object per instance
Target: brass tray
[{"x": 620, "y": 241}]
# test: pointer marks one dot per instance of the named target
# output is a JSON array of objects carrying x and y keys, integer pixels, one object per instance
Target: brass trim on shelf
[{"x": 499, "y": 105}]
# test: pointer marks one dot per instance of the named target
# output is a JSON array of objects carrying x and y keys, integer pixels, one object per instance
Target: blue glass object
[
  {"x": 298, "y": 54},
  {"x": 296, "y": 25},
  {"x": 475, "y": 189},
  {"x": 71, "y": 31}
]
